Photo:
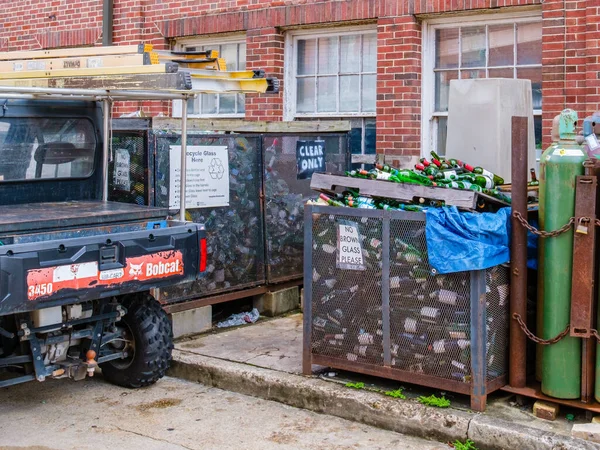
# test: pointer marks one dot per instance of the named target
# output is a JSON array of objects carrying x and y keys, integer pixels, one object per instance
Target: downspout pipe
[{"x": 107, "y": 22}]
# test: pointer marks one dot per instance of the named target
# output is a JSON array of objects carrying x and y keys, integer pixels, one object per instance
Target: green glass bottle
[
  {"x": 380, "y": 175},
  {"x": 448, "y": 174},
  {"x": 434, "y": 155},
  {"x": 455, "y": 163},
  {"x": 357, "y": 174},
  {"x": 330, "y": 201},
  {"x": 431, "y": 170},
  {"x": 481, "y": 171}
]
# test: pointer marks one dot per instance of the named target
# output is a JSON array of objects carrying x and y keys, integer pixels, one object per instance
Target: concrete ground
[
  {"x": 173, "y": 414},
  {"x": 265, "y": 359},
  {"x": 272, "y": 344}
]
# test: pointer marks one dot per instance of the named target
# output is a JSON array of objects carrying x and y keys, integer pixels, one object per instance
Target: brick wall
[
  {"x": 35, "y": 24},
  {"x": 570, "y": 58}
]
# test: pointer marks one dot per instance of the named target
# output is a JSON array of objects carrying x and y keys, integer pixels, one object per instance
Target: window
[
  {"x": 233, "y": 50},
  {"x": 333, "y": 75},
  {"x": 507, "y": 47},
  {"x": 32, "y": 148}
]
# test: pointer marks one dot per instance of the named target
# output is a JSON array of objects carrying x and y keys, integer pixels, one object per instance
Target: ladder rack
[
  {"x": 129, "y": 67},
  {"x": 129, "y": 72}
]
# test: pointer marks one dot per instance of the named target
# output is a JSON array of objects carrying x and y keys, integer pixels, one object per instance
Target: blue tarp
[{"x": 460, "y": 241}]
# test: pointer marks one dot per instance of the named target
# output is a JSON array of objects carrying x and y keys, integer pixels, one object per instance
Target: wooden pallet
[{"x": 405, "y": 192}]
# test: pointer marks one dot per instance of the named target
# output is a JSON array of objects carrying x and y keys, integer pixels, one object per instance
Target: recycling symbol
[{"x": 215, "y": 169}]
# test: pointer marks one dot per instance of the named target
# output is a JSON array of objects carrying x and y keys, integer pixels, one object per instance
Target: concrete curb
[
  {"x": 500, "y": 434},
  {"x": 406, "y": 417}
]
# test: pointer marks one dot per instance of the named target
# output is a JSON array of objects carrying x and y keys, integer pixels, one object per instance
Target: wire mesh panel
[
  {"x": 235, "y": 237},
  {"x": 128, "y": 168},
  {"x": 497, "y": 326},
  {"x": 390, "y": 310},
  {"x": 429, "y": 314},
  {"x": 285, "y": 196},
  {"x": 347, "y": 313}
]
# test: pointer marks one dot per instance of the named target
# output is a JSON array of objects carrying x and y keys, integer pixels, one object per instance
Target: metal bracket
[{"x": 38, "y": 359}]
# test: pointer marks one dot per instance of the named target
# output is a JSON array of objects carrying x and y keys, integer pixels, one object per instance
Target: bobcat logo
[{"x": 135, "y": 269}]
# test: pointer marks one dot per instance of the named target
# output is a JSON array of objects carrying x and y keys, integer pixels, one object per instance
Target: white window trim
[
  {"x": 290, "y": 67},
  {"x": 428, "y": 128},
  {"x": 180, "y": 44}
]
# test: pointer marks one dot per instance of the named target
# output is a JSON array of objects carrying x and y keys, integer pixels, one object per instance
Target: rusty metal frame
[
  {"x": 308, "y": 275},
  {"x": 582, "y": 291},
  {"x": 213, "y": 300},
  {"x": 533, "y": 390},
  {"x": 186, "y": 305},
  {"x": 478, "y": 345},
  {"x": 517, "y": 372}
]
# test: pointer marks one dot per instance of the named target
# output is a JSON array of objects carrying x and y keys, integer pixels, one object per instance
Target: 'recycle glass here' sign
[{"x": 311, "y": 158}]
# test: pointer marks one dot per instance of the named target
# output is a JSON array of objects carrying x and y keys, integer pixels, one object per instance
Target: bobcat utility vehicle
[{"x": 77, "y": 271}]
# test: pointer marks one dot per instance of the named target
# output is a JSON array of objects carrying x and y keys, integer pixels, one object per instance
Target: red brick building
[{"x": 384, "y": 64}]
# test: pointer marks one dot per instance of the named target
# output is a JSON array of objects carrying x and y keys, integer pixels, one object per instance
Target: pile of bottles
[
  {"x": 284, "y": 219},
  {"x": 352, "y": 199},
  {"x": 430, "y": 314},
  {"x": 234, "y": 246},
  {"x": 447, "y": 173}
]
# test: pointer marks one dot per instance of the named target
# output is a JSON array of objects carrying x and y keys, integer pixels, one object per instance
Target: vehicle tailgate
[{"x": 73, "y": 270}]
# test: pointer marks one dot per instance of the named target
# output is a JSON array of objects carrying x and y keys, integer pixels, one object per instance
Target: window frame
[
  {"x": 199, "y": 41},
  {"x": 291, "y": 68},
  {"x": 429, "y": 130}
]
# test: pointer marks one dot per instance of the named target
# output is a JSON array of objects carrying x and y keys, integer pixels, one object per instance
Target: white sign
[
  {"x": 122, "y": 180},
  {"x": 349, "y": 255},
  {"x": 207, "y": 177}
]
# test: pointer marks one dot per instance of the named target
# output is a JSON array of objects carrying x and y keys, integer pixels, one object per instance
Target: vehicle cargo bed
[{"x": 51, "y": 216}]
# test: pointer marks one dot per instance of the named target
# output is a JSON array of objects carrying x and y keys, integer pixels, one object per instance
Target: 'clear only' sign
[{"x": 311, "y": 158}]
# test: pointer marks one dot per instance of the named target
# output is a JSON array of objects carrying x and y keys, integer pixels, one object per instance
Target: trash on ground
[{"x": 240, "y": 319}]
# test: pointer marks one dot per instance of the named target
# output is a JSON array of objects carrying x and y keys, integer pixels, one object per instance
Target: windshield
[{"x": 43, "y": 148}]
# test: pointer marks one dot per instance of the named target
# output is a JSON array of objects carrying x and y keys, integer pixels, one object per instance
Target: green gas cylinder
[
  {"x": 539, "y": 352},
  {"x": 559, "y": 166}
]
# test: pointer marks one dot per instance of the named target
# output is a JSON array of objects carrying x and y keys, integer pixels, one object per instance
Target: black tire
[{"x": 151, "y": 331}]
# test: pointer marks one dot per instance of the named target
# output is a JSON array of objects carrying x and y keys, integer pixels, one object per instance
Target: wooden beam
[
  {"x": 83, "y": 62},
  {"x": 154, "y": 81},
  {"x": 76, "y": 52},
  {"x": 364, "y": 159},
  {"x": 242, "y": 126},
  {"x": 96, "y": 72}
]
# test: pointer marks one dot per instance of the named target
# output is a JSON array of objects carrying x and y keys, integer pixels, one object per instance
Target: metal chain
[
  {"x": 540, "y": 233},
  {"x": 595, "y": 334},
  {"x": 538, "y": 340}
]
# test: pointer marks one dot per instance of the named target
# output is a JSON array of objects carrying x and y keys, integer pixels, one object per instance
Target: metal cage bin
[{"x": 374, "y": 306}]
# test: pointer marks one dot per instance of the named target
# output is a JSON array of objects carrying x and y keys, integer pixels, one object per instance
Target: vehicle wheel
[{"x": 150, "y": 342}]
